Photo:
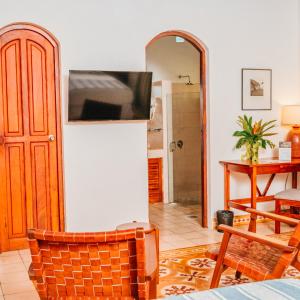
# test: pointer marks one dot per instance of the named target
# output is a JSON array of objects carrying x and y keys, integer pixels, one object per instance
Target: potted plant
[{"x": 253, "y": 136}]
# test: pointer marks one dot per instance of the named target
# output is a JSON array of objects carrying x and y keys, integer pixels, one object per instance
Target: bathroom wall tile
[
  {"x": 180, "y": 88},
  {"x": 191, "y": 119}
]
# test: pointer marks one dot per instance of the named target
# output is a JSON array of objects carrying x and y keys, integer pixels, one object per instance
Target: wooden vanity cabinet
[{"x": 155, "y": 180}]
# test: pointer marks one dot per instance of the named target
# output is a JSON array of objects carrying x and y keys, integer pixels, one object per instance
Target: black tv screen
[{"x": 108, "y": 95}]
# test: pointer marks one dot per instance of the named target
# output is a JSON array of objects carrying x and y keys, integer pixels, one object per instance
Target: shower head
[{"x": 186, "y": 76}]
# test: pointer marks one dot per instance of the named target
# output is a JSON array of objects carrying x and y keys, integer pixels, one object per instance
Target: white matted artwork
[{"x": 256, "y": 89}]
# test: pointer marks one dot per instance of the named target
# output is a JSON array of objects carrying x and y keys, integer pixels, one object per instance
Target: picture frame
[{"x": 256, "y": 89}]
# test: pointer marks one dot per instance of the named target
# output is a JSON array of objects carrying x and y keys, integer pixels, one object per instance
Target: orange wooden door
[{"x": 30, "y": 158}]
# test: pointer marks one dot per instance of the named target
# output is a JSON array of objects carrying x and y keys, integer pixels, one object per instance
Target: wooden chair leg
[
  {"x": 277, "y": 211},
  {"x": 217, "y": 276},
  {"x": 220, "y": 267},
  {"x": 153, "y": 288},
  {"x": 238, "y": 274},
  {"x": 296, "y": 264},
  {"x": 252, "y": 223}
]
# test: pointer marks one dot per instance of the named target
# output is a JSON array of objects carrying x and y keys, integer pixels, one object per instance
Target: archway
[{"x": 203, "y": 81}]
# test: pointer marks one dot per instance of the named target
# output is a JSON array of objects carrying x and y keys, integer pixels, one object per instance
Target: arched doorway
[
  {"x": 203, "y": 81},
  {"x": 31, "y": 185}
]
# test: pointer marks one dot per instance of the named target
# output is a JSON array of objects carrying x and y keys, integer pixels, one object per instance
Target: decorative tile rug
[{"x": 188, "y": 270}]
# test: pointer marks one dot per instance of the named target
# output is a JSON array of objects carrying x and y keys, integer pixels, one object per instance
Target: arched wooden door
[{"x": 30, "y": 134}]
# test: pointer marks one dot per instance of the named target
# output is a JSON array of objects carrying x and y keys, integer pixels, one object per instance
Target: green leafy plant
[{"x": 253, "y": 136}]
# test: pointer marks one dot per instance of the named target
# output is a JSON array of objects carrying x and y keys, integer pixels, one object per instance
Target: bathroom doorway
[{"x": 177, "y": 131}]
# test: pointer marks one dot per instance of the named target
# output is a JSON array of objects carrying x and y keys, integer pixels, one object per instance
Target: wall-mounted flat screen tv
[{"x": 108, "y": 95}]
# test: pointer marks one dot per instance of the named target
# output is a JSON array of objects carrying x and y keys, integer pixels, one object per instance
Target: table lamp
[{"x": 291, "y": 117}]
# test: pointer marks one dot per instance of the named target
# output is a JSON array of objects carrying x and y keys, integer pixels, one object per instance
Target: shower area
[
  {"x": 184, "y": 135},
  {"x": 174, "y": 134}
]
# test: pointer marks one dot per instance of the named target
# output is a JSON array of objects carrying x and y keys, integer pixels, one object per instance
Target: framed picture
[{"x": 256, "y": 89}]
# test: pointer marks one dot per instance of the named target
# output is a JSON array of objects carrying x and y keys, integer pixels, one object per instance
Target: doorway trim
[
  {"x": 203, "y": 81},
  {"x": 56, "y": 48}
]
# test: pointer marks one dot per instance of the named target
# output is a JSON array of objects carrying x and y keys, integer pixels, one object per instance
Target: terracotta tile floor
[{"x": 177, "y": 230}]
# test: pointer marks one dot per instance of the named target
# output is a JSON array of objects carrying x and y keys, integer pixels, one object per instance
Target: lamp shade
[{"x": 290, "y": 115}]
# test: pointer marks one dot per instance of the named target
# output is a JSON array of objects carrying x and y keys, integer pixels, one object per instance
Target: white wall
[
  {"x": 111, "y": 35},
  {"x": 105, "y": 175},
  {"x": 168, "y": 59}
]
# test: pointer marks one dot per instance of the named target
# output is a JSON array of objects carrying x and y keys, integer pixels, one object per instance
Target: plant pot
[
  {"x": 225, "y": 217},
  {"x": 251, "y": 152}
]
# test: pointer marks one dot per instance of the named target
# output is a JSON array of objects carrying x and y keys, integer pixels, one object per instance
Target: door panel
[
  {"x": 30, "y": 184},
  {"x": 40, "y": 184},
  {"x": 37, "y": 94},
  {"x": 11, "y": 89},
  {"x": 15, "y": 187}
]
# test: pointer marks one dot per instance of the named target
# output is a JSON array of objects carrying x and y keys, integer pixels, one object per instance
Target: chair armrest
[
  {"x": 272, "y": 216},
  {"x": 151, "y": 255},
  {"x": 262, "y": 239}
]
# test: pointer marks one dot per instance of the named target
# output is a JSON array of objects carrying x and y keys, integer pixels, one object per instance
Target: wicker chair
[
  {"x": 290, "y": 198},
  {"x": 256, "y": 256},
  {"x": 108, "y": 265}
]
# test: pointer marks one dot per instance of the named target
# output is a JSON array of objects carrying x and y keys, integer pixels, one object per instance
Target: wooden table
[{"x": 265, "y": 166}]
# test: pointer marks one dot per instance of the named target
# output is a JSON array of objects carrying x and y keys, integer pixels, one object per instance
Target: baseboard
[{"x": 243, "y": 220}]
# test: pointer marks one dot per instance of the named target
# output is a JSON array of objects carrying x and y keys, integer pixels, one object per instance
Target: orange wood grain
[
  {"x": 294, "y": 180},
  {"x": 219, "y": 268},
  {"x": 264, "y": 166},
  {"x": 155, "y": 180},
  {"x": 253, "y": 188},
  {"x": 273, "y": 216},
  {"x": 226, "y": 187},
  {"x": 260, "y": 238},
  {"x": 29, "y": 113},
  {"x": 267, "y": 187}
]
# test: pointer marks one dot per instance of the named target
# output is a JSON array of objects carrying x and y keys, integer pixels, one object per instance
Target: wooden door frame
[
  {"x": 203, "y": 81},
  {"x": 57, "y": 73}
]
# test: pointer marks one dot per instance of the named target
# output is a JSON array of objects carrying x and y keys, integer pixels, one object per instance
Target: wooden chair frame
[
  {"x": 290, "y": 203},
  {"x": 288, "y": 256}
]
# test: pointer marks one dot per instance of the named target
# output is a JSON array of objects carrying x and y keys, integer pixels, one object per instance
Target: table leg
[
  {"x": 294, "y": 180},
  {"x": 226, "y": 187},
  {"x": 253, "y": 194},
  {"x": 294, "y": 186},
  {"x": 268, "y": 184},
  {"x": 277, "y": 211}
]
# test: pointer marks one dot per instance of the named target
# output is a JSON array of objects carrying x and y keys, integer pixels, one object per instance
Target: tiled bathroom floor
[{"x": 178, "y": 226}]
